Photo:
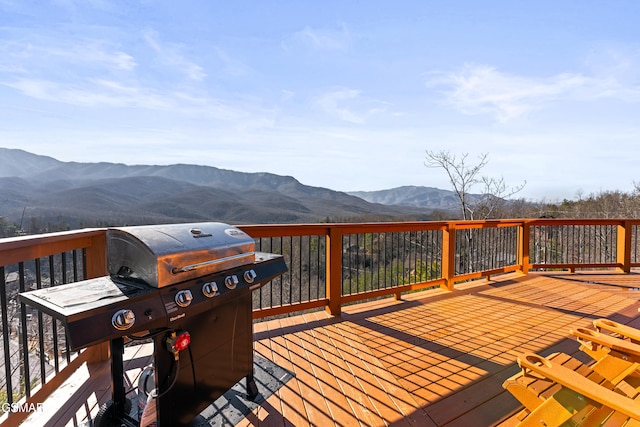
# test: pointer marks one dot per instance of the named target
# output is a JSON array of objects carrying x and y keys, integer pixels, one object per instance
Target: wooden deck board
[{"x": 435, "y": 358}]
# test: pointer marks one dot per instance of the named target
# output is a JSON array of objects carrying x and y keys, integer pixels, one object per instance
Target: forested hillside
[{"x": 41, "y": 194}]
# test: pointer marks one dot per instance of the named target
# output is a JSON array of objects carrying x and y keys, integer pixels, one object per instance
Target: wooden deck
[{"x": 436, "y": 358}]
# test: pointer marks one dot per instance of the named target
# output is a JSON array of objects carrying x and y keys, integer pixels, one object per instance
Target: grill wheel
[{"x": 107, "y": 418}]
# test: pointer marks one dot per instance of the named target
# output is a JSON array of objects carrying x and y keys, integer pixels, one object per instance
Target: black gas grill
[{"x": 184, "y": 286}]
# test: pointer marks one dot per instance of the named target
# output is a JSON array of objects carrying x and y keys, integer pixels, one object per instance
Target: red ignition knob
[
  {"x": 182, "y": 341},
  {"x": 176, "y": 342}
]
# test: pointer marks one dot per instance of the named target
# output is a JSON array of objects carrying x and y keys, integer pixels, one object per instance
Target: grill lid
[{"x": 162, "y": 255}]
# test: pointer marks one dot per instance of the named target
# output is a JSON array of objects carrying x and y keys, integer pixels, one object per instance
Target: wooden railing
[
  {"x": 329, "y": 265},
  {"x": 351, "y": 262},
  {"x": 335, "y": 264},
  {"x": 36, "y": 358}
]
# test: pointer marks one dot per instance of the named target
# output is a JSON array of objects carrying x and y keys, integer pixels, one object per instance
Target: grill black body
[
  {"x": 222, "y": 352},
  {"x": 156, "y": 288}
]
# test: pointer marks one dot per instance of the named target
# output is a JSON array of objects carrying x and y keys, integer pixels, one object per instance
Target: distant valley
[
  {"x": 419, "y": 197},
  {"x": 45, "y": 190}
]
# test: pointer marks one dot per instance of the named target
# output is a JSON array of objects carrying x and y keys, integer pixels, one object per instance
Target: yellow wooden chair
[
  {"x": 574, "y": 398},
  {"x": 616, "y": 369},
  {"x": 616, "y": 359}
]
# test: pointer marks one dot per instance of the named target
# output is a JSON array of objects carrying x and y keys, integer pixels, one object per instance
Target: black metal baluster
[
  {"x": 5, "y": 337},
  {"x": 24, "y": 343},
  {"x": 41, "y": 333},
  {"x": 54, "y": 323}
]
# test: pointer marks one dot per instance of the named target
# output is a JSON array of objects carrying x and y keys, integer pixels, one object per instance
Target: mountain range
[{"x": 41, "y": 188}]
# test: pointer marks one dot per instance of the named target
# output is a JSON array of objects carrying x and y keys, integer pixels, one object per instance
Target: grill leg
[
  {"x": 252, "y": 388},
  {"x": 117, "y": 377}
]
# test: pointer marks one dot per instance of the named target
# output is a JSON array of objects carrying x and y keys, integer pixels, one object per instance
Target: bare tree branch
[
  {"x": 461, "y": 175},
  {"x": 464, "y": 176}
]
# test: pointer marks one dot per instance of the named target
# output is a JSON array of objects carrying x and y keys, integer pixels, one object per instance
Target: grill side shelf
[
  {"x": 73, "y": 299},
  {"x": 87, "y": 308}
]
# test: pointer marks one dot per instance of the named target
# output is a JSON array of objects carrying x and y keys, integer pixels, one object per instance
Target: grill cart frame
[{"x": 187, "y": 288}]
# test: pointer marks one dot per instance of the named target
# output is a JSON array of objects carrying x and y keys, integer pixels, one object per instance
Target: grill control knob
[
  {"x": 210, "y": 289},
  {"x": 250, "y": 276},
  {"x": 183, "y": 298},
  {"x": 231, "y": 281},
  {"x": 123, "y": 319}
]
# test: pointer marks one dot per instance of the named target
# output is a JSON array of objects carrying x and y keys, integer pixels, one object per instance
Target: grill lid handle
[{"x": 186, "y": 268}]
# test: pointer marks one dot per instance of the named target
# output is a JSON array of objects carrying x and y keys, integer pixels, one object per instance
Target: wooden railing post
[
  {"x": 96, "y": 266},
  {"x": 334, "y": 270},
  {"x": 96, "y": 256},
  {"x": 449, "y": 255},
  {"x": 623, "y": 247},
  {"x": 524, "y": 239}
]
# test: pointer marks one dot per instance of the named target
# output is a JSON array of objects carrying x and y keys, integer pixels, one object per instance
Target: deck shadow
[{"x": 232, "y": 407}]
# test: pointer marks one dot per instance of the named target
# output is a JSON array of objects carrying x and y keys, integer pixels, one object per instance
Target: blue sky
[{"x": 340, "y": 94}]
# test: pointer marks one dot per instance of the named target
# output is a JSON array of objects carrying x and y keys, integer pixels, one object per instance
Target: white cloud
[
  {"x": 617, "y": 67},
  {"x": 287, "y": 95},
  {"x": 320, "y": 39},
  {"x": 481, "y": 89},
  {"x": 115, "y": 59},
  {"x": 73, "y": 5},
  {"x": 46, "y": 57},
  {"x": 170, "y": 54},
  {"x": 230, "y": 65},
  {"x": 614, "y": 61},
  {"x": 98, "y": 93},
  {"x": 348, "y": 105},
  {"x": 92, "y": 73},
  {"x": 101, "y": 93}
]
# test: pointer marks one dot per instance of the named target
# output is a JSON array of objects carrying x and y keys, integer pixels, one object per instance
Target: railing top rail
[
  {"x": 440, "y": 224},
  {"x": 21, "y": 248},
  {"x": 38, "y": 239},
  {"x": 263, "y": 230},
  {"x": 267, "y": 230},
  {"x": 582, "y": 221}
]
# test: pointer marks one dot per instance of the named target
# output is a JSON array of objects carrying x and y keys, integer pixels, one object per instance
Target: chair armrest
[
  {"x": 618, "y": 328},
  {"x": 579, "y": 384},
  {"x": 587, "y": 337}
]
